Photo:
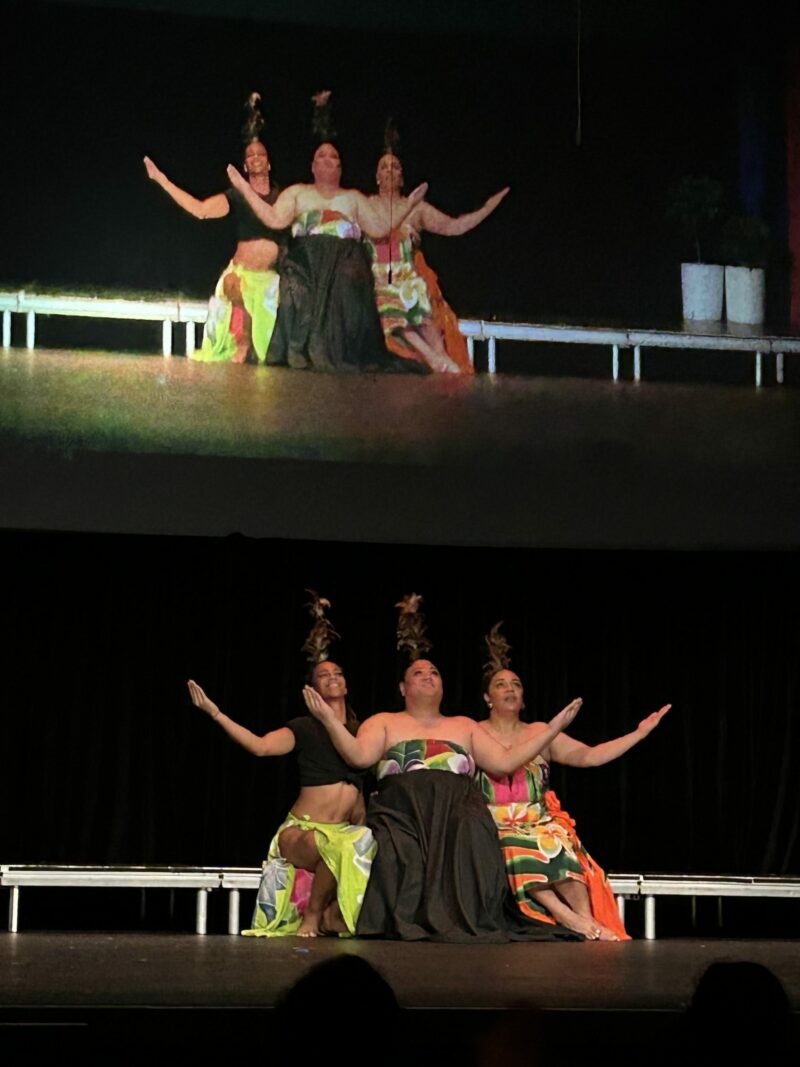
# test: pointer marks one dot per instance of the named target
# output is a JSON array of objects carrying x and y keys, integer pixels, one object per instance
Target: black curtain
[{"x": 105, "y": 760}]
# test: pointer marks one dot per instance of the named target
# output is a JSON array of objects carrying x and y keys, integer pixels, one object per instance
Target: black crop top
[
  {"x": 248, "y": 226},
  {"x": 317, "y": 760}
]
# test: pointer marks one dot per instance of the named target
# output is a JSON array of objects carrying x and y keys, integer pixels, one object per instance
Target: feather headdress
[
  {"x": 322, "y": 119},
  {"x": 411, "y": 637},
  {"x": 498, "y": 649},
  {"x": 322, "y": 634},
  {"x": 254, "y": 122},
  {"x": 391, "y": 138}
]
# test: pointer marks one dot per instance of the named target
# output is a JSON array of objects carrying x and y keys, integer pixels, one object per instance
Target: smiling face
[
  {"x": 326, "y": 165},
  {"x": 422, "y": 682},
  {"x": 389, "y": 174},
  {"x": 256, "y": 160},
  {"x": 504, "y": 693},
  {"x": 328, "y": 680}
]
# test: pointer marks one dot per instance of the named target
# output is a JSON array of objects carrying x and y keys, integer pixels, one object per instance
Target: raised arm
[
  {"x": 567, "y": 750},
  {"x": 365, "y": 748},
  {"x": 496, "y": 759},
  {"x": 275, "y": 743},
  {"x": 375, "y": 218},
  {"x": 278, "y": 215},
  {"x": 213, "y": 207},
  {"x": 427, "y": 217}
]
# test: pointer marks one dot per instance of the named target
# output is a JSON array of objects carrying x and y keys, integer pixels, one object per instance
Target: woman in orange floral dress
[
  {"x": 552, "y": 876},
  {"x": 417, "y": 322}
]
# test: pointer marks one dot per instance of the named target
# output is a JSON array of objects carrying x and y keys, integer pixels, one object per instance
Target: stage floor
[
  {"x": 125, "y": 998},
  {"x": 93, "y": 970},
  {"x": 102, "y": 441}
]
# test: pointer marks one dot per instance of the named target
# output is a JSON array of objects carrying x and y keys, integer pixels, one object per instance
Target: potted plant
[
  {"x": 696, "y": 205},
  {"x": 745, "y": 249}
]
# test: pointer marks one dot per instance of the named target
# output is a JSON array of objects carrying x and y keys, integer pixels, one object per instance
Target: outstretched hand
[
  {"x": 562, "y": 720},
  {"x": 317, "y": 706},
  {"x": 418, "y": 194},
  {"x": 493, "y": 201},
  {"x": 200, "y": 700},
  {"x": 649, "y": 724},
  {"x": 236, "y": 179},
  {"x": 153, "y": 172}
]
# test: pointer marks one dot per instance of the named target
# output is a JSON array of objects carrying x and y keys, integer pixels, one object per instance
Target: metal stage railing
[
  {"x": 646, "y": 887},
  {"x": 174, "y": 310}
]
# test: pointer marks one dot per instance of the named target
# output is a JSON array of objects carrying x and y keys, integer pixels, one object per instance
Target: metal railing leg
[
  {"x": 166, "y": 337},
  {"x": 189, "y": 338},
  {"x": 471, "y": 350},
  {"x": 621, "y": 908},
  {"x": 201, "y": 925},
  {"x": 637, "y": 363},
  {"x": 759, "y": 369},
  {"x": 6, "y": 329},
  {"x": 615, "y": 362},
  {"x": 233, "y": 912},
  {"x": 30, "y": 329},
  {"x": 778, "y": 365},
  {"x": 491, "y": 359},
  {"x": 650, "y": 918},
  {"x": 13, "y": 910}
]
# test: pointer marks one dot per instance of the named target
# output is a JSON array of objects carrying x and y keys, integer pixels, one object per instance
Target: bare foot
[
  {"x": 309, "y": 927},
  {"x": 333, "y": 921},
  {"x": 606, "y": 934},
  {"x": 582, "y": 924},
  {"x": 240, "y": 355},
  {"x": 443, "y": 364}
]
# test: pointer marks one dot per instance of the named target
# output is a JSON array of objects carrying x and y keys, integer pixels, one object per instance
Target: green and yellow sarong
[
  {"x": 260, "y": 292},
  {"x": 348, "y": 852}
]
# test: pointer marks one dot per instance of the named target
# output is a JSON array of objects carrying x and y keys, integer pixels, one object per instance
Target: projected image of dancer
[
  {"x": 438, "y": 873},
  {"x": 328, "y": 319},
  {"x": 552, "y": 876},
  {"x": 242, "y": 311},
  {"x": 318, "y": 864},
  {"x": 417, "y": 322}
]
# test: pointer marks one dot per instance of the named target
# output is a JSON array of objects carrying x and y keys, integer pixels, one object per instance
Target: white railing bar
[{"x": 233, "y": 912}]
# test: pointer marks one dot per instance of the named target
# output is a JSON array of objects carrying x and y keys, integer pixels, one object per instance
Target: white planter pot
[
  {"x": 744, "y": 295},
  {"x": 701, "y": 287}
]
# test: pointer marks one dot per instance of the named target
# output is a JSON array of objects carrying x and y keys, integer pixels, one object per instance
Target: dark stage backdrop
[
  {"x": 105, "y": 760},
  {"x": 666, "y": 89}
]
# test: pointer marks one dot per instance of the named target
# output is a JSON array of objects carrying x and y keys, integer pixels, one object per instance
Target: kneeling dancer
[
  {"x": 552, "y": 876},
  {"x": 318, "y": 865}
]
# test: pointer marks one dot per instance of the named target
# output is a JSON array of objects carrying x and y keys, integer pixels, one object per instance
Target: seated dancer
[
  {"x": 328, "y": 318},
  {"x": 552, "y": 876},
  {"x": 242, "y": 311},
  {"x": 322, "y": 834},
  {"x": 438, "y": 873},
  {"x": 416, "y": 320}
]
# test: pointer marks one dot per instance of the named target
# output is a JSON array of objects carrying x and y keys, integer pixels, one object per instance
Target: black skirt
[
  {"x": 327, "y": 318},
  {"x": 439, "y": 873}
]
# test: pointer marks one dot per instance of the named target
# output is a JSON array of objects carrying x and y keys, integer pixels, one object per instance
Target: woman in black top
[
  {"x": 322, "y": 834},
  {"x": 242, "y": 312}
]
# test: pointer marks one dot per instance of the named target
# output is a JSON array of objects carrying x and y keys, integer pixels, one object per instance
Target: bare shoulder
[
  {"x": 534, "y": 728},
  {"x": 306, "y": 196},
  {"x": 379, "y": 718},
  {"x": 463, "y": 723}
]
